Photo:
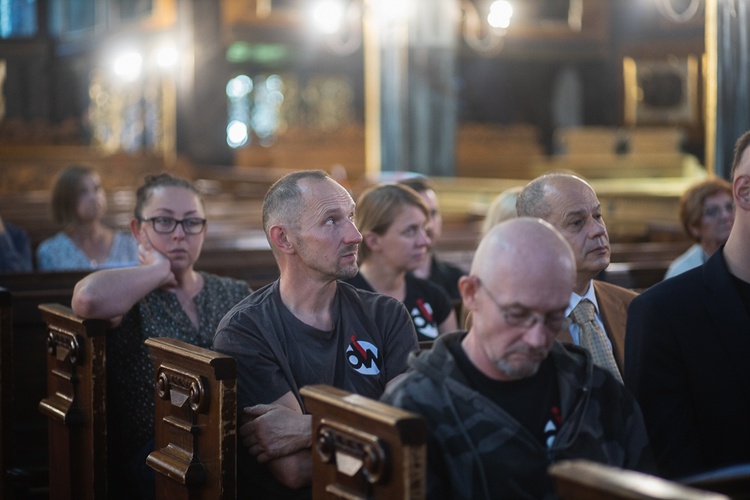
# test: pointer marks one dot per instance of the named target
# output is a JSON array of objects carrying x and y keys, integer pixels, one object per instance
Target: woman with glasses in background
[
  {"x": 707, "y": 214},
  {"x": 163, "y": 297},
  {"x": 85, "y": 242}
]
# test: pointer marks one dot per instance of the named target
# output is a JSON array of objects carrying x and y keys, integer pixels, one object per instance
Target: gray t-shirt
[{"x": 369, "y": 344}]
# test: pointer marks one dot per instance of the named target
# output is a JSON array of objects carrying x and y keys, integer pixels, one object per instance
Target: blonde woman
[{"x": 392, "y": 219}]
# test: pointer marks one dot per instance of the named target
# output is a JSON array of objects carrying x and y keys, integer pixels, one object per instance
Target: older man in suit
[
  {"x": 570, "y": 204},
  {"x": 687, "y": 346}
]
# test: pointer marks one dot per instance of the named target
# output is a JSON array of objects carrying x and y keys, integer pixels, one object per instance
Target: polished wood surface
[
  {"x": 195, "y": 420},
  {"x": 586, "y": 480},
  {"x": 75, "y": 405},
  {"x": 363, "y": 448}
]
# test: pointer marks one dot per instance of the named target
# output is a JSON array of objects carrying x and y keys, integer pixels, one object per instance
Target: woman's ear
[
  {"x": 372, "y": 240},
  {"x": 135, "y": 229}
]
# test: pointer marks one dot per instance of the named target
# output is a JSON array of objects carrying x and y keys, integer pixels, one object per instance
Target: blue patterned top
[{"x": 60, "y": 252}]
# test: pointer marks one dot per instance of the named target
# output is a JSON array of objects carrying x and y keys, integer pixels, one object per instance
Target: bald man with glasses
[{"x": 505, "y": 400}]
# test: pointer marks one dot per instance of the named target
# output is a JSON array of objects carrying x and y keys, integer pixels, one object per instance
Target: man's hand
[{"x": 276, "y": 430}]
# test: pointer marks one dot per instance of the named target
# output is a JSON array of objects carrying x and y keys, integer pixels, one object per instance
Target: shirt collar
[{"x": 575, "y": 299}]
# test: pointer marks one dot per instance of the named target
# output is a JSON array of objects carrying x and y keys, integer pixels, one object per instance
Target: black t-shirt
[
  {"x": 446, "y": 276},
  {"x": 428, "y": 304},
  {"x": 534, "y": 401}
]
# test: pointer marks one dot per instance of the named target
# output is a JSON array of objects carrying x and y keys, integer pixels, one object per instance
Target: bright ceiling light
[
  {"x": 166, "y": 56},
  {"x": 328, "y": 16},
  {"x": 128, "y": 65},
  {"x": 500, "y": 14}
]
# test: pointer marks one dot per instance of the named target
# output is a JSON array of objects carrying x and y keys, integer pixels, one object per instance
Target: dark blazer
[
  {"x": 686, "y": 362},
  {"x": 613, "y": 303}
]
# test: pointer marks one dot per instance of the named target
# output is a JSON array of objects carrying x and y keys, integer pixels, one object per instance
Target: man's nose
[{"x": 352, "y": 234}]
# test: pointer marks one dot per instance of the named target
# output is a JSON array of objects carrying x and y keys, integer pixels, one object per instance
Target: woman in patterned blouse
[{"x": 163, "y": 297}]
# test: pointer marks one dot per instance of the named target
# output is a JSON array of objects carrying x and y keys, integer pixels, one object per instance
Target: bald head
[
  {"x": 524, "y": 246},
  {"x": 570, "y": 204},
  {"x": 534, "y": 200},
  {"x": 522, "y": 270}
]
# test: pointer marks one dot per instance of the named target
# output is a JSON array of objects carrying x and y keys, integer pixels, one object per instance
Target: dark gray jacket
[{"x": 477, "y": 450}]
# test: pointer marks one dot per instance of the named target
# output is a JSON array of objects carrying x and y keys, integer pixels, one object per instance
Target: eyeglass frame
[
  {"x": 176, "y": 222},
  {"x": 531, "y": 317},
  {"x": 715, "y": 211}
]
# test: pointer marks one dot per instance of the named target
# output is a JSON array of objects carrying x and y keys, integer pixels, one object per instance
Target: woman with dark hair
[
  {"x": 163, "y": 297},
  {"x": 78, "y": 206},
  {"x": 392, "y": 219}
]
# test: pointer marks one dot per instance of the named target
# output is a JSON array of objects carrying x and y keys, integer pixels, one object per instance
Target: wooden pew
[
  {"x": 6, "y": 383},
  {"x": 586, "y": 480},
  {"x": 23, "y": 360},
  {"x": 732, "y": 480},
  {"x": 196, "y": 422},
  {"x": 363, "y": 448},
  {"x": 75, "y": 405}
]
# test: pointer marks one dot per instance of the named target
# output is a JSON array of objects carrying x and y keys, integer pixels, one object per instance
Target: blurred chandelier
[
  {"x": 682, "y": 14},
  {"x": 341, "y": 21}
]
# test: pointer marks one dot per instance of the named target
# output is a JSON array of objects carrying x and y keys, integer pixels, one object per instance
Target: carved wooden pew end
[
  {"x": 75, "y": 405},
  {"x": 196, "y": 421},
  {"x": 363, "y": 448}
]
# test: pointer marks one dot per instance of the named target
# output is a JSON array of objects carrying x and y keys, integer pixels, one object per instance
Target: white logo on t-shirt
[{"x": 363, "y": 357}]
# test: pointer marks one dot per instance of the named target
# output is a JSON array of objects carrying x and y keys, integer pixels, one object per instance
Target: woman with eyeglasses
[
  {"x": 707, "y": 214},
  {"x": 85, "y": 242},
  {"x": 163, "y": 297}
]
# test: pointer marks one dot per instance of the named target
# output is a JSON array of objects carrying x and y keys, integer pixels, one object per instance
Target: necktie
[{"x": 592, "y": 337}]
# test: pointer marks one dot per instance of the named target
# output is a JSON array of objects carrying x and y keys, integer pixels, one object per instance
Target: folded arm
[{"x": 280, "y": 435}]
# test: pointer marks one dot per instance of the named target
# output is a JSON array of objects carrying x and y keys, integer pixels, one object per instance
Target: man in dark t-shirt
[{"x": 306, "y": 328}]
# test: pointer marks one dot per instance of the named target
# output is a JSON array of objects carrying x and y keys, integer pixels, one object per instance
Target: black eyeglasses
[
  {"x": 166, "y": 225},
  {"x": 714, "y": 211},
  {"x": 525, "y": 318}
]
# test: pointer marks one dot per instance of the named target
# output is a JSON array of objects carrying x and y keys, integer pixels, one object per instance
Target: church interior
[{"x": 639, "y": 97}]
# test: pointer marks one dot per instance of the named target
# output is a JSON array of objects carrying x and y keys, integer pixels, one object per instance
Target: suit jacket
[
  {"x": 686, "y": 362},
  {"x": 613, "y": 303}
]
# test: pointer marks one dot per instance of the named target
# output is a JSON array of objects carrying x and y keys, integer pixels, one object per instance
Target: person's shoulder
[
  {"x": 426, "y": 286},
  {"x": 616, "y": 291},
  {"x": 352, "y": 293},
  {"x": 447, "y": 268},
  {"x": 253, "y": 309},
  {"x": 53, "y": 250},
  {"x": 16, "y": 232},
  {"x": 675, "y": 293},
  {"x": 55, "y": 240}
]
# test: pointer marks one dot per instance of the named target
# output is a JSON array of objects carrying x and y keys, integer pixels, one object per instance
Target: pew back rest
[
  {"x": 195, "y": 420},
  {"x": 587, "y": 480},
  {"x": 75, "y": 404},
  {"x": 23, "y": 375},
  {"x": 363, "y": 448}
]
